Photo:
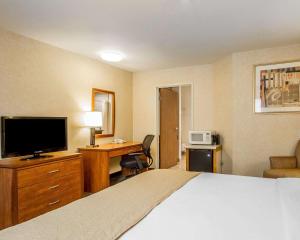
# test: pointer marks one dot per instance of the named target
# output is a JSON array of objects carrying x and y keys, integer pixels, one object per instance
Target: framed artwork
[{"x": 277, "y": 88}]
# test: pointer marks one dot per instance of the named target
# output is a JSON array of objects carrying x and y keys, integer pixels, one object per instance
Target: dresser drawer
[
  {"x": 72, "y": 167},
  {"x": 38, "y": 199},
  {"x": 72, "y": 188},
  {"x": 46, "y": 196},
  {"x": 31, "y": 176},
  {"x": 125, "y": 151}
]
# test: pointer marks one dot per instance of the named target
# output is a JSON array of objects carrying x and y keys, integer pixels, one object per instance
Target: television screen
[{"x": 32, "y": 135}]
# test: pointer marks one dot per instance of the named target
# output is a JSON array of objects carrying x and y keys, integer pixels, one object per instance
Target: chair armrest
[{"x": 287, "y": 162}]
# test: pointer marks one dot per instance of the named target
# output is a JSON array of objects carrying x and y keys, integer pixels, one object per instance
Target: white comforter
[{"x": 225, "y": 207}]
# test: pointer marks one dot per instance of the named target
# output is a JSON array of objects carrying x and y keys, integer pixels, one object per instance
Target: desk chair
[{"x": 136, "y": 161}]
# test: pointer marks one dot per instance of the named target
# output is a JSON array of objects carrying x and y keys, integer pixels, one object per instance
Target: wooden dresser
[{"x": 33, "y": 187}]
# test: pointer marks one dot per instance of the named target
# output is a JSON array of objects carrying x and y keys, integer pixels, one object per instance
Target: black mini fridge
[{"x": 201, "y": 160}]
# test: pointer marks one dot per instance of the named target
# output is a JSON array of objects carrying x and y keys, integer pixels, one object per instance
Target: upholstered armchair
[{"x": 284, "y": 166}]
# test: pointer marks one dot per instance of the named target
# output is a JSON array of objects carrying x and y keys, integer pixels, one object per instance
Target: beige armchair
[{"x": 284, "y": 166}]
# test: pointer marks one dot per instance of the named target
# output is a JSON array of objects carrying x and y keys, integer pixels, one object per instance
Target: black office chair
[{"x": 133, "y": 160}]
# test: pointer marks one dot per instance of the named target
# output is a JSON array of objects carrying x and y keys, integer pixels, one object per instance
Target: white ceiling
[{"x": 155, "y": 34}]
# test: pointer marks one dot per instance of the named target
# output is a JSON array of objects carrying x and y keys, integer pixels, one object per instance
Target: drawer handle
[
  {"x": 53, "y": 187},
  {"x": 53, "y": 203},
  {"x": 54, "y": 171}
]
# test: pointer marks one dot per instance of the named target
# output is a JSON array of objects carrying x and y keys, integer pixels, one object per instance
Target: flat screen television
[{"x": 22, "y": 136}]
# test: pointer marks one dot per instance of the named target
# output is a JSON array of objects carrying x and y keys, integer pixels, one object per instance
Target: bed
[{"x": 170, "y": 204}]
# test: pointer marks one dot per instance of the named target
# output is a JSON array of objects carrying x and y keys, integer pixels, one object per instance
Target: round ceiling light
[{"x": 111, "y": 56}]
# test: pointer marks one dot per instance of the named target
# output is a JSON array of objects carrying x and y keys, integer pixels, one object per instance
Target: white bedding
[{"x": 225, "y": 207}]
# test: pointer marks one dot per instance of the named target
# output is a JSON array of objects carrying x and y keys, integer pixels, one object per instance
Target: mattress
[{"x": 225, "y": 207}]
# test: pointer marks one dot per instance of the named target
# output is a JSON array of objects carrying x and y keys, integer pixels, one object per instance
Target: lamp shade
[{"x": 93, "y": 119}]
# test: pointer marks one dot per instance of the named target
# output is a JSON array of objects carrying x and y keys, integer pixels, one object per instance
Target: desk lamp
[{"x": 93, "y": 120}]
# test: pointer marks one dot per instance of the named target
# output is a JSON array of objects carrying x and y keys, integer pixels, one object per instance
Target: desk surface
[
  {"x": 112, "y": 146},
  {"x": 199, "y": 146}
]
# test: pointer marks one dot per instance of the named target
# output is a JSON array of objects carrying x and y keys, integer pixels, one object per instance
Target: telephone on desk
[{"x": 118, "y": 140}]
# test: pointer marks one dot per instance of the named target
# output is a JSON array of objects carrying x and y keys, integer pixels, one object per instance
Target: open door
[{"x": 169, "y": 127}]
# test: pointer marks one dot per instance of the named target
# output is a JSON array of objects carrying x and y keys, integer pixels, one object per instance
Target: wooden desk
[{"x": 96, "y": 163}]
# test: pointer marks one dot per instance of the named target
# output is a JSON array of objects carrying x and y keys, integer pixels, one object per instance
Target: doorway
[
  {"x": 174, "y": 111},
  {"x": 169, "y": 127}
]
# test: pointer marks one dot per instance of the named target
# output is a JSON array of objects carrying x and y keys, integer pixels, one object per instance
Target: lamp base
[
  {"x": 92, "y": 137},
  {"x": 92, "y": 146}
]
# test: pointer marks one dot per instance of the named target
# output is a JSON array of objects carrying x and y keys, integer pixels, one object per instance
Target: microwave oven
[{"x": 200, "y": 137}]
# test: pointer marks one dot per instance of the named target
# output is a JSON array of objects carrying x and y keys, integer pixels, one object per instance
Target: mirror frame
[{"x": 94, "y": 92}]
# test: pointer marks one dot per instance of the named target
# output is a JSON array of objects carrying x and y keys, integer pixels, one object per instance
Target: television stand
[
  {"x": 36, "y": 156},
  {"x": 31, "y": 188}
]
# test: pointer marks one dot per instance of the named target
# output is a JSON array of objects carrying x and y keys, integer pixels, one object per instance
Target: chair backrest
[
  {"x": 297, "y": 154},
  {"x": 146, "y": 145}
]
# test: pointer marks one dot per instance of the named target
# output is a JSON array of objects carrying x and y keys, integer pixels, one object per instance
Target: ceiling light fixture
[{"x": 111, "y": 56}]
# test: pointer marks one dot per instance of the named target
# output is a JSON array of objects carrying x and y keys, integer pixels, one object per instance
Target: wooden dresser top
[{"x": 17, "y": 162}]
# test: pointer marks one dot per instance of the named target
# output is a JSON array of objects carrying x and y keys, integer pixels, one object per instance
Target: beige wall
[
  {"x": 248, "y": 138},
  {"x": 186, "y": 93},
  {"x": 40, "y": 80},
  {"x": 257, "y": 136},
  {"x": 223, "y": 121},
  {"x": 223, "y": 101},
  {"x": 144, "y": 97}
]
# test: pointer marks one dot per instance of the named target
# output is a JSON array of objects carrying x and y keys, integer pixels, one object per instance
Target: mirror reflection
[{"x": 104, "y": 101}]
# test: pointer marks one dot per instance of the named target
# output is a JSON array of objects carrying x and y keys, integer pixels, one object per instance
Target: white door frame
[{"x": 179, "y": 85}]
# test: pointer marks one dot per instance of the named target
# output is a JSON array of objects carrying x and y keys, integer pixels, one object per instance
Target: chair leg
[{"x": 126, "y": 172}]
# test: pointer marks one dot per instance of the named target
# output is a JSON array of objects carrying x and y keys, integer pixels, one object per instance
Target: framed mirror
[{"x": 104, "y": 101}]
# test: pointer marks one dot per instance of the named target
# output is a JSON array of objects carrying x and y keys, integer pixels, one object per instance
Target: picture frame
[{"x": 277, "y": 87}]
